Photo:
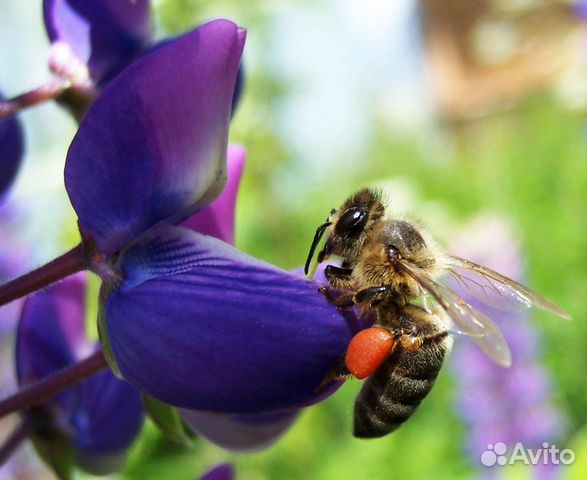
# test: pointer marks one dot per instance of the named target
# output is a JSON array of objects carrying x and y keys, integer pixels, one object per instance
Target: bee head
[{"x": 351, "y": 224}]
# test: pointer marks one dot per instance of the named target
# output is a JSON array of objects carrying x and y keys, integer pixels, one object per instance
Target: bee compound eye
[
  {"x": 393, "y": 254},
  {"x": 367, "y": 350},
  {"x": 352, "y": 221}
]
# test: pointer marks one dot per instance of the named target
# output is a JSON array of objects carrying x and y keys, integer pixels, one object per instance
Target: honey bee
[{"x": 390, "y": 271}]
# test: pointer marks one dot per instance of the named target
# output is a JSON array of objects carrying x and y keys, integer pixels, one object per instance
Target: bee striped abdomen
[{"x": 392, "y": 394}]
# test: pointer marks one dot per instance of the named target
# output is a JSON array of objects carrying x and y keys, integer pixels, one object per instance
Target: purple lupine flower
[
  {"x": 101, "y": 36},
  {"x": 224, "y": 471},
  {"x": 96, "y": 420},
  {"x": 502, "y": 405},
  {"x": 190, "y": 320},
  {"x": 11, "y": 151},
  {"x": 91, "y": 42}
]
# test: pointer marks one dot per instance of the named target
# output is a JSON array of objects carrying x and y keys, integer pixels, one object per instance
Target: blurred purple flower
[
  {"x": 94, "y": 41},
  {"x": 98, "y": 419},
  {"x": 11, "y": 151},
  {"x": 224, "y": 471},
  {"x": 102, "y": 36},
  {"x": 502, "y": 405}
]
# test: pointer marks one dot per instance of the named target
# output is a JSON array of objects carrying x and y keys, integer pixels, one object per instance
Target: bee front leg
[
  {"x": 342, "y": 302},
  {"x": 339, "y": 278}
]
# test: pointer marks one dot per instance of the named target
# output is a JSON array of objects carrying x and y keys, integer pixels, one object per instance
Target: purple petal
[
  {"x": 153, "y": 146},
  {"x": 109, "y": 414},
  {"x": 107, "y": 419},
  {"x": 51, "y": 329},
  {"x": 217, "y": 219},
  {"x": 240, "y": 433},
  {"x": 224, "y": 471},
  {"x": 200, "y": 325},
  {"x": 104, "y": 34},
  {"x": 11, "y": 150}
]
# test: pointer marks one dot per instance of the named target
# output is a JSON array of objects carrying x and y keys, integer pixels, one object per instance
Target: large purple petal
[
  {"x": 105, "y": 34},
  {"x": 11, "y": 150},
  {"x": 200, "y": 325},
  {"x": 153, "y": 146},
  {"x": 217, "y": 219},
  {"x": 240, "y": 433},
  {"x": 50, "y": 332}
]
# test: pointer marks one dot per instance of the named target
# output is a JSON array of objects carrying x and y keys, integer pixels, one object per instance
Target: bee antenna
[{"x": 319, "y": 232}]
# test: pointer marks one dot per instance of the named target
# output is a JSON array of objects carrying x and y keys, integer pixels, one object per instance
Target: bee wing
[
  {"x": 468, "y": 320},
  {"x": 501, "y": 291}
]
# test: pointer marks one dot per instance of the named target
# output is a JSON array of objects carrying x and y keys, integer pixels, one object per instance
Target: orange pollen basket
[{"x": 367, "y": 350}]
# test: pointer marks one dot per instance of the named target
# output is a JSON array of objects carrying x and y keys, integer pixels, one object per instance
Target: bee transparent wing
[
  {"x": 500, "y": 291},
  {"x": 468, "y": 320},
  {"x": 474, "y": 286}
]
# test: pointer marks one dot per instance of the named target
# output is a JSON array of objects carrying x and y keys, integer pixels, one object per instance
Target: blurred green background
[{"x": 340, "y": 94}]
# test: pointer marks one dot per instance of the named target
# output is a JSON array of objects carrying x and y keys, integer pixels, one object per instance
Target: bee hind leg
[{"x": 339, "y": 372}]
